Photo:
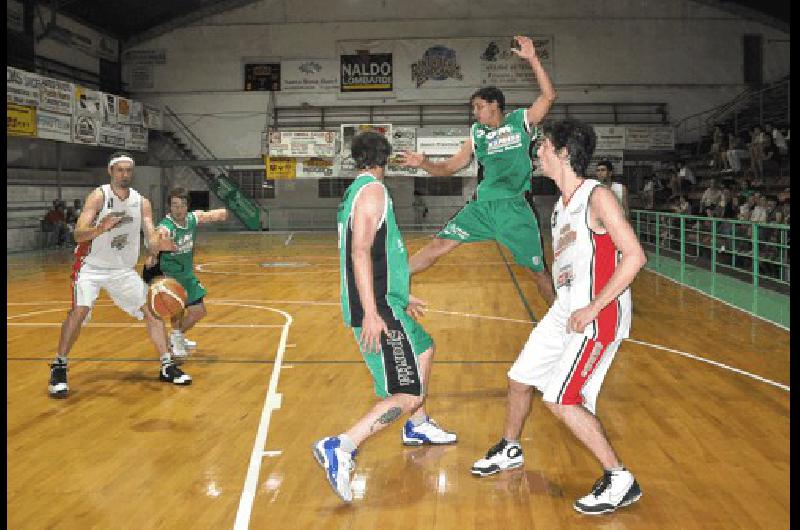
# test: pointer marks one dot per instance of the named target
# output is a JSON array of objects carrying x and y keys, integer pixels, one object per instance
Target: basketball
[{"x": 167, "y": 297}]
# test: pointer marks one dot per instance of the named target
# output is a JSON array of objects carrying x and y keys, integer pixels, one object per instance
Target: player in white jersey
[
  {"x": 596, "y": 257},
  {"x": 108, "y": 237}
]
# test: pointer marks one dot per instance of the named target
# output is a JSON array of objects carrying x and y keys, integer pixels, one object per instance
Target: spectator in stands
[
  {"x": 759, "y": 212},
  {"x": 725, "y": 209},
  {"x": 735, "y": 153},
  {"x": 778, "y": 140},
  {"x": 55, "y": 221},
  {"x": 683, "y": 178},
  {"x": 605, "y": 174},
  {"x": 757, "y": 144},
  {"x": 648, "y": 193},
  {"x": 783, "y": 209},
  {"x": 718, "y": 158},
  {"x": 711, "y": 196}
]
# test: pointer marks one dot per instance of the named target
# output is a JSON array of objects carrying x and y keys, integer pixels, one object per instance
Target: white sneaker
[
  {"x": 190, "y": 344},
  {"x": 504, "y": 455},
  {"x": 178, "y": 344},
  {"x": 338, "y": 465},
  {"x": 427, "y": 433},
  {"x": 613, "y": 490}
]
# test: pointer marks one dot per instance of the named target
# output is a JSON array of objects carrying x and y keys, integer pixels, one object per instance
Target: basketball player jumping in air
[
  {"x": 596, "y": 257},
  {"x": 108, "y": 237},
  {"x": 499, "y": 211},
  {"x": 376, "y": 303},
  {"x": 180, "y": 226}
]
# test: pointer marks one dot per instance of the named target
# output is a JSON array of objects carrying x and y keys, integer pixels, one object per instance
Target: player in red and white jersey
[
  {"x": 596, "y": 257},
  {"x": 108, "y": 233}
]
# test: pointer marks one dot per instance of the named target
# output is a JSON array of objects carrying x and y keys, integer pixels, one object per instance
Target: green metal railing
[{"x": 719, "y": 250}]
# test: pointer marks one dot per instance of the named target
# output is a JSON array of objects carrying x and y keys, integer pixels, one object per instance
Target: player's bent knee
[{"x": 79, "y": 313}]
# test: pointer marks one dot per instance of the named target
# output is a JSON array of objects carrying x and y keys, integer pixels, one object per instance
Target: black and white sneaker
[
  {"x": 612, "y": 491},
  {"x": 504, "y": 455},
  {"x": 57, "y": 385},
  {"x": 171, "y": 373}
]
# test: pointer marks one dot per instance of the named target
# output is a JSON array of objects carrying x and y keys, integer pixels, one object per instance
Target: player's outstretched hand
[
  {"x": 411, "y": 159},
  {"x": 526, "y": 49},
  {"x": 416, "y": 307}
]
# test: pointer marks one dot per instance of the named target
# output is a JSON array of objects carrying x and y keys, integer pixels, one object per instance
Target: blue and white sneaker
[
  {"x": 337, "y": 465},
  {"x": 428, "y": 433}
]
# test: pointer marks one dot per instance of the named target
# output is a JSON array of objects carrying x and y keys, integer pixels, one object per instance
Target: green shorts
[
  {"x": 395, "y": 370},
  {"x": 194, "y": 289},
  {"x": 507, "y": 221}
]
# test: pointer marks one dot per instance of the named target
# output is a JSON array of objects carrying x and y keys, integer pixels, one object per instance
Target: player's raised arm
[
  {"x": 539, "y": 109},
  {"x": 211, "y": 216},
  {"x": 84, "y": 231},
  {"x": 444, "y": 168}
]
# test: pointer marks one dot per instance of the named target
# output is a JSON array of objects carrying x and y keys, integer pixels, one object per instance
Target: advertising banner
[
  {"x": 22, "y": 88},
  {"x": 350, "y": 130},
  {"x": 88, "y": 102},
  {"x": 650, "y": 138},
  {"x": 85, "y": 129},
  {"x": 20, "y": 120},
  {"x": 137, "y": 139},
  {"x": 56, "y": 95},
  {"x": 610, "y": 137},
  {"x": 123, "y": 110},
  {"x": 152, "y": 117},
  {"x": 53, "y": 126},
  {"x": 315, "y": 167},
  {"x": 280, "y": 167},
  {"x": 109, "y": 108},
  {"x": 309, "y": 75},
  {"x": 113, "y": 135},
  {"x": 301, "y": 143}
]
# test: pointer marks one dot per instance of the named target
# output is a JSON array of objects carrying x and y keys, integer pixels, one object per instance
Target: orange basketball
[{"x": 167, "y": 297}]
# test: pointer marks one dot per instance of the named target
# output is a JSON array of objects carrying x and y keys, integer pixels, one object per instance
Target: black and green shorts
[{"x": 396, "y": 370}]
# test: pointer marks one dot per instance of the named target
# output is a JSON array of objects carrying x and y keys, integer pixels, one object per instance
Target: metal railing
[
  {"x": 694, "y": 126},
  {"x": 754, "y": 252}
]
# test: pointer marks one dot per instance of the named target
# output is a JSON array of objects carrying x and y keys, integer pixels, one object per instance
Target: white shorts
[
  {"x": 125, "y": 287},
  {"x": 568, "y": 368}
]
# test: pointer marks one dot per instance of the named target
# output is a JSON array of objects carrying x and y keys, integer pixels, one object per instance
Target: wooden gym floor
[{"x": 696, "y": 404}]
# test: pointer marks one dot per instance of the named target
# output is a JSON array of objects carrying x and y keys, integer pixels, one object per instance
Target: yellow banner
[
  {"x": 280, "y": 167},
  {"x": 21, "y": 120}
]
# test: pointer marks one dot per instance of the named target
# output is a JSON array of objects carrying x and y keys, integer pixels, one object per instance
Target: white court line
[
  {"x": 288, "y": 240},
  {"x": 718, "y": 299},
  {"x": 271, "y": 402},
  {"x": 470, "y": 315},
  {"x": 715, "y": 363}
]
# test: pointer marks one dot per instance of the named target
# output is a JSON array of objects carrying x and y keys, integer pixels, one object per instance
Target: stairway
[{"x": 185, "y": 142}]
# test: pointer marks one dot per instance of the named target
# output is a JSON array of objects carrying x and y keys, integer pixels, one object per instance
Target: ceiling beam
[
  {"x": 740, "y": 10},
  {"x": 213, "y": 8}
]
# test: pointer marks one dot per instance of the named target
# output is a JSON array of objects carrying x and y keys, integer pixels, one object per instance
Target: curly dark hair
[
  {"x": 578, "y": 137},
  {"x": 489, "y": 94},
  {"x": 370, "y": 149}
]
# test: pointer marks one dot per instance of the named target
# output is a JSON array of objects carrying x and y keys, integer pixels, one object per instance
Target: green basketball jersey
[
  {"x": 504, "y": 155},
  {"x": 179, "y": 261},
  {"x": 390, "y": 273}
]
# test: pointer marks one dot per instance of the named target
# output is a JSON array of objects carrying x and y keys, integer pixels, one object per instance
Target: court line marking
[
  {"x": 718, "y": 299},
  {"x": 516, "y": 284},
  {"x": 656, "y": 346},
  {"x": 715, "y": 363},
  {"x": 272, "y": 401},
  {"x": 288, "y": 240}
]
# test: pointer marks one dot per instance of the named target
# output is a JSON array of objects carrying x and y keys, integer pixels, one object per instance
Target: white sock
[{"x": 346, "y": 444}]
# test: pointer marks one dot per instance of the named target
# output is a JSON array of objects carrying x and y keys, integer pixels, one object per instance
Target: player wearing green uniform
[
  {"x": 376, "y": 303},
  {"x": 498, "y": 211},
  {"x": 180, "y": 226}
]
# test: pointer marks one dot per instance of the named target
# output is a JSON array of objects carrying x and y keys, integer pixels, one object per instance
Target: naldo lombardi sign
[{"x": 366, "y": 72}]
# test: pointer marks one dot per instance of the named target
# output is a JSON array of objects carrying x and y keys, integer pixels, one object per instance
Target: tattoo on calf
[{"x": 387, "y": 417}]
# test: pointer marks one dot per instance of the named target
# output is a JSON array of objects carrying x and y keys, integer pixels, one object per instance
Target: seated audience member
[
  {"x": 711, "y": 196},
  {"x": 55, "y": 221},
  {"x": 735, "y": 153},
  {"x": 778, "y": 139}
]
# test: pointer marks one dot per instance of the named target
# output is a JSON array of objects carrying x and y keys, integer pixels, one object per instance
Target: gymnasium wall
[{"x": 679, "y": 52}]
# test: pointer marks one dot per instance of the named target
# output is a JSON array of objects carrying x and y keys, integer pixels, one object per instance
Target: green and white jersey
[
  {"x": 180, "y": 261},
  {"x": 503, "y": 153},
  {"x": 390, "y": 273}
]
